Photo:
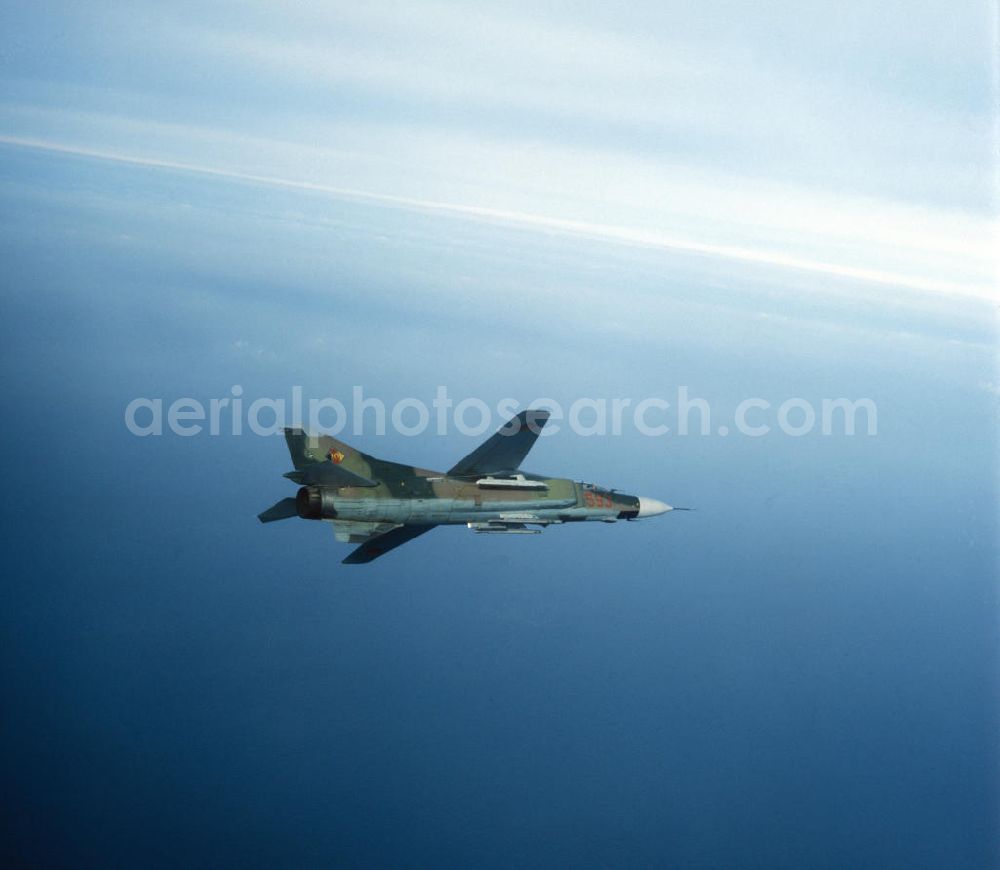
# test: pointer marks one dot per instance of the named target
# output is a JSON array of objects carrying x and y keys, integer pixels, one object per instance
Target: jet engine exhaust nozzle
[{"x": 315, "y": 503}]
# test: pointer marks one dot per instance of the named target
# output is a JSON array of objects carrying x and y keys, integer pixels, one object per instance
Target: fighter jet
[{"x": 381, "y": 505}]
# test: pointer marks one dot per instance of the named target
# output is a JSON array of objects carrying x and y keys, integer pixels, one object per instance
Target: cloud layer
[{"x": 855, "y": 145}]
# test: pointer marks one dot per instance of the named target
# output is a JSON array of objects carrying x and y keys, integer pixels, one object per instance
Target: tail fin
[
  {"x": 306, "y": 450},
  {"x": 325, "y": 460}
]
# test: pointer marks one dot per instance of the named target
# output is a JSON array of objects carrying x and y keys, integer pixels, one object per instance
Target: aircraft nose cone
[{"x": 651, "y": 507}]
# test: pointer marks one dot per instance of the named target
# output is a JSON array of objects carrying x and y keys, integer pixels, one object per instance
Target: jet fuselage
[
  {"x": 432, "y": 498},
  {"x": 381, "y": 504}
]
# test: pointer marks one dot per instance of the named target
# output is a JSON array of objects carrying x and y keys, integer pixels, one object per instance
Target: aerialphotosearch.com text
[{"x": 653, "y": 416}]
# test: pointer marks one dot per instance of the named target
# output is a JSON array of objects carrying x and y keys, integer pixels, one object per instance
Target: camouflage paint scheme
[{"x": 382, "y": 504}]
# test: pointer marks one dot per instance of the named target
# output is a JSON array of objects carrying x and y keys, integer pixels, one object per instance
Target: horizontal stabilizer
[
  {"x": 282, "y": 510},
  {"x": 327, "y": 473}
]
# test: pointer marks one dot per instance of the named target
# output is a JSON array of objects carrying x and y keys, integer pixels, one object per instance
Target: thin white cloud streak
[
  {"x": 665, "y": 124},
  {"x": 598, "y": 231},
  {"x": 524, "y": 68},
  {"x": 720, "y": 100},
  {"x": 882, "y": 109},
  {"x": 585, "y": 185},
  {"x": 660, "y": 132}
]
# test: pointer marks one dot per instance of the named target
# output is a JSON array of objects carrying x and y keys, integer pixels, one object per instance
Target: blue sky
[{"x": 535, "y": 200}]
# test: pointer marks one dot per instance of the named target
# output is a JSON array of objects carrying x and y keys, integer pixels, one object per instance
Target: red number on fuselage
[{"x": 597, "y": 499}]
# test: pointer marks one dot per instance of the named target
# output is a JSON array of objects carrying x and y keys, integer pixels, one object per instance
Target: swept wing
[{"x": 504, "y": 451}]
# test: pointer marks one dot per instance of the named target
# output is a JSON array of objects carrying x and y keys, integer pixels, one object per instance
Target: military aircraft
[{"x": 381, "y": 504}]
